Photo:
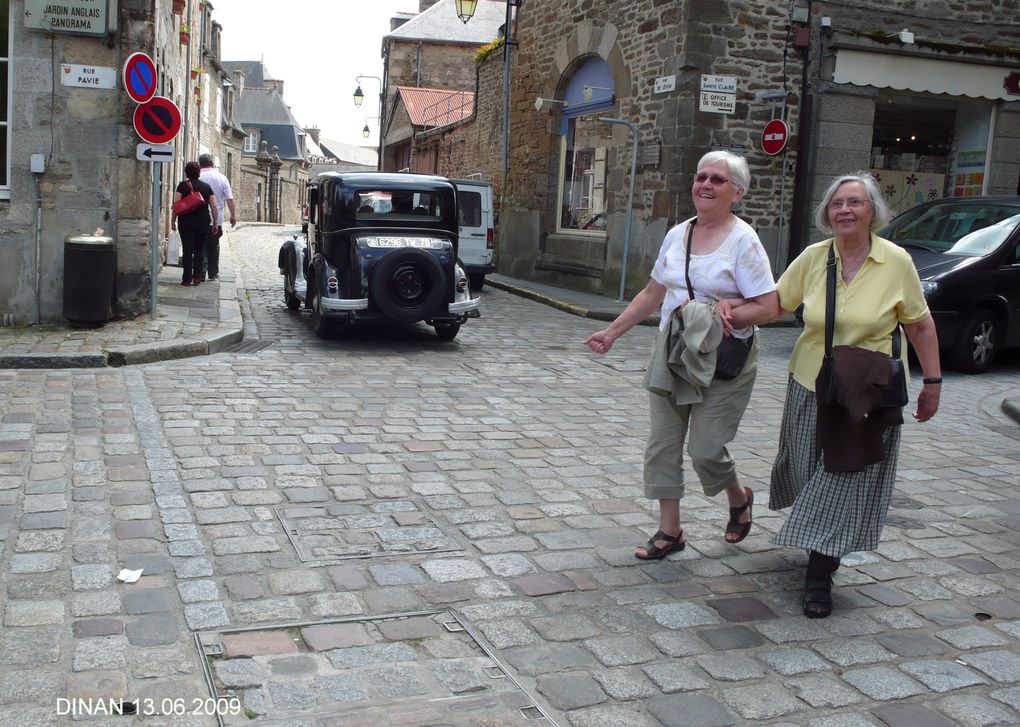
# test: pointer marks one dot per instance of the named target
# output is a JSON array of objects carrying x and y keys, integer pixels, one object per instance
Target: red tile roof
[{"x": 436, "y": 106}]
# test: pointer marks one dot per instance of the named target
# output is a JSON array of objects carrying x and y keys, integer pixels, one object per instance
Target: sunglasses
[{"x": 715, "y": 179}]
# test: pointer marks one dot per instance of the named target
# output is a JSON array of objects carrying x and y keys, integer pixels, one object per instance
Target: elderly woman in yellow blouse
[{"x": 877, "y": 290}]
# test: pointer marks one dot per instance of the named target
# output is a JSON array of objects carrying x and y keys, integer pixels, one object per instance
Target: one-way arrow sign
[{"x": 155, "y": 152}]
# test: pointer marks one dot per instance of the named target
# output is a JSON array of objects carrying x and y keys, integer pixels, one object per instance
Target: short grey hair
[
  {"x": 739, "y": 172},
  {"x": 882, "y": 212},
  {"x": 206, "y": 160}
]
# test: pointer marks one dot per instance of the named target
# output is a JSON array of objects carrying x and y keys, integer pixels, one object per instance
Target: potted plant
[
  {"x": 179, "y": 6},
  {"x": 185, "y": 30},
  {"x": 196, "y": 72}
]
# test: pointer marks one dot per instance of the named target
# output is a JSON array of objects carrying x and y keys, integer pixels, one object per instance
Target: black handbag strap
[
  {"x": 830, "y": 298},
  {"x": 687, "y": 260},
  {"x": 830, "y": 307}
]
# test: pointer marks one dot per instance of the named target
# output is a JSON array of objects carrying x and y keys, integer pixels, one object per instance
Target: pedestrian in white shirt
[{"x": 221, "y": 187}]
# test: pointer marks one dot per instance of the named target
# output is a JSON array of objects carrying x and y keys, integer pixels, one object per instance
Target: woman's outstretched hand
[{"x": 600, "y": 342}]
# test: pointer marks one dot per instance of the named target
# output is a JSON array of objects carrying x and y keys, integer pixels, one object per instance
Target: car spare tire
[{"x": 409, "y": 285}]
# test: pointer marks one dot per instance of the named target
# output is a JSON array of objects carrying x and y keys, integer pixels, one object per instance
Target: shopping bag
[{"x": 173, "y": 249}]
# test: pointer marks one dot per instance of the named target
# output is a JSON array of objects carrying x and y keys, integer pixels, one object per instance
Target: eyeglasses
[
  {"x": 715, "y": 179},
  {"x": 855, "y": 204}
]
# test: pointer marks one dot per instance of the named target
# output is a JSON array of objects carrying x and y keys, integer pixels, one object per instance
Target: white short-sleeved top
[{"x": 739, "y": 268}]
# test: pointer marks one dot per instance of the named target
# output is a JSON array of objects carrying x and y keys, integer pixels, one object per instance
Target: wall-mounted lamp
[
  {"x": 359, "y": 95},
  {"x": 586, "y": 91},
  {"x": 541, "y": 102},
  {"x": 905, "y": 37},
  {"x": 366, "y": 132}
]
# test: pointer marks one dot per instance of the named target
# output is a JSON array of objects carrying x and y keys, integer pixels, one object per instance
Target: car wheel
[
  {"x": 979, "y": 339},
  {"x": 477, "y": 280},
  {"x": 447, "y": 331},
  {"x": 321, "y": 325},
  {"x": 409, "y": 285}
]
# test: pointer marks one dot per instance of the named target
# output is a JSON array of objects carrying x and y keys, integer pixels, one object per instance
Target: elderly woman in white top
[{"x": 726, "y": 260}]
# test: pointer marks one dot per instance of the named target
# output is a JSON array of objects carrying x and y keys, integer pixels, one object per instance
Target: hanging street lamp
[
  {"x": 465, "y": 9},
  {"x": 359, "y": 96}
]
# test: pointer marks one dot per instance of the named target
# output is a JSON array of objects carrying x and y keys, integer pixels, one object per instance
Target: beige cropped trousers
[{"x": 707, "y": 427}]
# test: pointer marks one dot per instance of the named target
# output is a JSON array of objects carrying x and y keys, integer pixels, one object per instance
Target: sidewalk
[{"x": 190, "y": 321}]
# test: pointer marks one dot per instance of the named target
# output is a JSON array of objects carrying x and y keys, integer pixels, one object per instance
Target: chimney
[
  {"x": 239, "y": 82},
  {"x": 274, "y": 84},
  {"x": 314, "y": 133},
  {"x": 399, "y": 19},
  {"x": 424, "y": 5}
]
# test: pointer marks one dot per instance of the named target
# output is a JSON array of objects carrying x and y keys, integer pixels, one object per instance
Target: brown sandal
[
  {"x": 653, "y": 552},
  {"x": 734, "y": 526}
]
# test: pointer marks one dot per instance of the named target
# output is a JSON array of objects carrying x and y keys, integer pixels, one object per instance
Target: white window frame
[
  {"x": 253, "y": 137},
  {"x": 560, "y": 229}
]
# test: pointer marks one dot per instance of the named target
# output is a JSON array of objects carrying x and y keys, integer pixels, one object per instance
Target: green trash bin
[{"x": 90, "y": 268}]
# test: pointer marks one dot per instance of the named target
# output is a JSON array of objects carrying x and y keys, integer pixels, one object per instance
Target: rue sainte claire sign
[{"x": 81, "y": 17}]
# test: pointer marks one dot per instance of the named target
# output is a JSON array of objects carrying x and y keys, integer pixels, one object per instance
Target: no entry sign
[
  {"x": 774, "y": 137},
  {"x": 157, "y": 121},
  {"x": 139, "y": 77}
]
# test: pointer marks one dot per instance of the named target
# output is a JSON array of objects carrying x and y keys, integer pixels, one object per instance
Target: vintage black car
[{"x": 379, "y": 246}]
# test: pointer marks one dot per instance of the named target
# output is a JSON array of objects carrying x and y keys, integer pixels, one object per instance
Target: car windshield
[
  {"x": 406, "y": 205},
  {"x": 984, "y": 241},
  {"x": 962, "y": 229}
]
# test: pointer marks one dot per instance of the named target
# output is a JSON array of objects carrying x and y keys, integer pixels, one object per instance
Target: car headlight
[{"x": 928, "y": 287}]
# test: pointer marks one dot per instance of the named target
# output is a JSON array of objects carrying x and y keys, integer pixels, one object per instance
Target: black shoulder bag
[
  {"x": 894, "y": 395},
  {"x": 731, "y": 354}
]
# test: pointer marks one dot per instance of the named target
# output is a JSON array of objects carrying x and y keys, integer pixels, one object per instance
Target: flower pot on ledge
[
  {"x": 179, "y": 6},
  {"x": 185, "y": 38}
]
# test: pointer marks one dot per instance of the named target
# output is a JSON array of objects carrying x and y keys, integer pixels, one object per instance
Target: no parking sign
[{"x": 139, "y": 77}]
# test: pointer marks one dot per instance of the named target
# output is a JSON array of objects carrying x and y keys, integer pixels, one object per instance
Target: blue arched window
[{"x": 583, "y": 144}]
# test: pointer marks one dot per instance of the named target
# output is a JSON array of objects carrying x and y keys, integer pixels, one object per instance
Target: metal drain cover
[
  {"x": 364, "y": 530},
  {"x": 422, "y": 668},
  {"x": 251, "y": 345}
]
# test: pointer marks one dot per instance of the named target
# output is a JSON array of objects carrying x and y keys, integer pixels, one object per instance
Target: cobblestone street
[{"x": 386, "y": 529}]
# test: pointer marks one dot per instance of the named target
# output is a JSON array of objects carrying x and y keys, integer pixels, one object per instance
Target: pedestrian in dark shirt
[{"x": 196, "y": 225}]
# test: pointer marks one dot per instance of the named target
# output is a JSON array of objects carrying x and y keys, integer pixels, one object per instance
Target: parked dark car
[
  {"x": 967, "y": 253},
  {"x": 379, "y": 246}
]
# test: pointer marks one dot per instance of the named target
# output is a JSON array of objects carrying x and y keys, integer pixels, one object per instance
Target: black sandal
[
  {"x": 818, "y": 597},
  {"x": 653, "y": 552},
  {"x": 734, "y": 526}
]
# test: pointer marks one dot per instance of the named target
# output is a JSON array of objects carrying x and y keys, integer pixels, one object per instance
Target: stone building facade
[
  {"x": 472, "y": 147},
  {"x": 85, "y": 138},
  {"x": 432, "y": 50},
  {"x": 822, "y": 67}
]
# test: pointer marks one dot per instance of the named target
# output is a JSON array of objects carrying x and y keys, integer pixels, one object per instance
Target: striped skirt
[{"x": 834, "y": 513}]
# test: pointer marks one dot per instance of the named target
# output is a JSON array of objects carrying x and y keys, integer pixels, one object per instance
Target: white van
[{"x": 477, "y": 242}]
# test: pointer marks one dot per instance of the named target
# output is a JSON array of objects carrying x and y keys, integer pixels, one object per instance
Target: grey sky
[{"x": 317, "y": 47}]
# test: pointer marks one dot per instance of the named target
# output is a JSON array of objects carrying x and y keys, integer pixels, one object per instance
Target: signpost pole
[{"x": 157, "y": 183}]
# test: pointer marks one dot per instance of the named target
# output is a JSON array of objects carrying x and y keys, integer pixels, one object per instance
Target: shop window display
[{"x": 926, "y": 148}]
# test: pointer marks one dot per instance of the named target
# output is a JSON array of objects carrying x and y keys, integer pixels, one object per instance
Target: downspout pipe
[
  {"x": 630, "y": 198},
  {"x": 38, "y": 248},
  {"x": 801, "y": 187}
]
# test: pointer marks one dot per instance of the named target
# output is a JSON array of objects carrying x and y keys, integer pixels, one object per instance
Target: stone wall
[
  {"x": 429, "y": 65},
  {"x": 475, "y": 145}
]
